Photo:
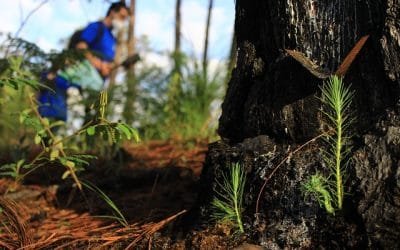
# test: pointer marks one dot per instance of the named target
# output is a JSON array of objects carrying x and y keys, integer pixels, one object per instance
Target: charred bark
[
  {"x": 271, "y": 108},
  {"x": 271, "y": 93}
]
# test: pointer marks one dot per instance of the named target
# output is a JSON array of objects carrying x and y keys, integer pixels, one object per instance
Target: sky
[{"x": 58, "y": 19}]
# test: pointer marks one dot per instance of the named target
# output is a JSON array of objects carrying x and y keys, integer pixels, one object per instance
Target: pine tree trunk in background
[
  {"x": 174, "y": 92},
  {"x": 131, "y": 91},
  {"x": 271, "y": 108},
  {"x": 206, "y": 37},
  {"x": 131, "y": 33},
  {"x": 118, "y": 56},
  {"x": 177, "y": 48}
]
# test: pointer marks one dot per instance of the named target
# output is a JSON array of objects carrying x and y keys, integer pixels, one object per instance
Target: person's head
[{"x": 117, "y": 13}]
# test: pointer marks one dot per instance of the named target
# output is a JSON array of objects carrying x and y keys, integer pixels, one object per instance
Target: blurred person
[{"x": 98, "y": 43}]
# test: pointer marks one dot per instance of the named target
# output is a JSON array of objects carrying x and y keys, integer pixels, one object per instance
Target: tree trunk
[
  {"x": 131, "y": 91},
  {"x": 270, "y": 93},
  {"x": 131, "y": 32},
  {"x": 174, "y": 92},
  {"x": 118, "y": 55},
  {"x": 177, "y": 27},
  {"x": 271, "y": 108},
  {"x": 206, "y": 37}
]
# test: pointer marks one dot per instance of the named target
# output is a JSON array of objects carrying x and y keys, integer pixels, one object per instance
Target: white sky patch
[
  {"x": 155, "y": 25},
  {"x": 44, "y": 44},
  {"x": 194, "y": 16},
  {"x": 157, "y": 59},
  {"x": 221, "y": 33}
]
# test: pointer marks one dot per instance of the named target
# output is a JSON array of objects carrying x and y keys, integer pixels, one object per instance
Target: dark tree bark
[
  {"x": 271, "y": 108},
  {"x": 270, "y": 93}
]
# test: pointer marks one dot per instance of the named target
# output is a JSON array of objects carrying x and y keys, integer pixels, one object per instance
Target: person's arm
[
  {"x": 88, "y": 36},
  {"x": 103, "y": 67}
]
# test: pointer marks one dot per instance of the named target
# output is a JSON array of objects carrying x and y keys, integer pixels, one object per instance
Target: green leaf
[
  {"x": 46, "y": 122},
  {"x": 20, "y": 163},
  {"x": 57, "y": 123},
  {"x": 11, "y": 166},
  {"x": 55, "y": 153},
  {"x": 65, "y": 175},
  {"x": 70, "y": 164},
  {"x": 91, "y": 130},
  {"x": 38, "y": 139},
  {"x": 125, "y": 129},
  {"x": 10, "y": 173}
]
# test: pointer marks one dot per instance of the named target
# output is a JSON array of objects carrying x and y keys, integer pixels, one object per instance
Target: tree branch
[{"x": 23, "y": 23}]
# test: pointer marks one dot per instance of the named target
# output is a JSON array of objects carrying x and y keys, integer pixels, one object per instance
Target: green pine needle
[
  {"x": 227, "y": 204},
  {"x": 337, "y": 99}
]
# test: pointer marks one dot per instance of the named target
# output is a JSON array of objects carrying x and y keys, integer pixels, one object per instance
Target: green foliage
[
  {"x": 53, "y": 147},
  {"x": 117, "y": 214},
  {"x": 227, "y": 204},
  {"x": 14, "y": 75},
  {"x": 114, "y": 133},
  {"x": 16, "y": 85},
  {"x": 35, "y": 60},
  {"x": 185, "y": 111},
  {"x": 13, "y": 169},
  {"x": 319, "y": 188},
  {"x": 337, "y": 100}
]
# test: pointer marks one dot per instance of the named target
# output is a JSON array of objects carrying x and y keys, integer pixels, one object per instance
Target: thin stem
[
  {"x": 281, "y": 163},
  {"x": 236, "y": 180},
  {"x": 339, "y": 186},
  {"x": 21, "y": 26},
  {"x": 88, "y": 124},
  {"x": 52, "y": 136}
]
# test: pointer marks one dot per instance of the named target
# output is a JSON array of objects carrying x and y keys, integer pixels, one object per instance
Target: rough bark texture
[
  {"x": 287, "y": 219},
  {"x": 271, "y": 108},
  {"x": 271, "y": 93}
]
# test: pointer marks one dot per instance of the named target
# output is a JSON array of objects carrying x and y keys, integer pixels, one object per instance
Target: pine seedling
[
  {"x": 337, "y": 100},
  {"x": 227, "y": 204}
]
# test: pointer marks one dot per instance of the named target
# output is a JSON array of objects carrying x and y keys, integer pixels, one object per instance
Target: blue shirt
[
  {"x": 105, "y": 45},
  {"x": 53, "y": 104}
]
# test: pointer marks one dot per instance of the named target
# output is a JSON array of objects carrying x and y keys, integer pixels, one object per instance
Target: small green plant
[
  {"x": 54, "y": 147},
  {"x": 113, "y": 131},
  {"x": 227, "y": 204},
  {"x": 317, "y": 186},
  {"x": 117, "y": 214},
  {"x": 13, "y": 170},
  {"x": 337, "y": 100}
]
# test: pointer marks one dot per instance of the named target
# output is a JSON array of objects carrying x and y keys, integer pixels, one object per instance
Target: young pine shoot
[
  {"x": 227, "y": 204},
  {"x": 337, "y": 101}
]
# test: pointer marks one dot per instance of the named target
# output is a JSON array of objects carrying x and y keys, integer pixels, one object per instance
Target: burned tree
[{"x": 271, "y": 108}]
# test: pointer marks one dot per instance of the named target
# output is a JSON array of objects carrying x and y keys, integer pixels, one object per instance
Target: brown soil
[{"x": 154, "y": 186}]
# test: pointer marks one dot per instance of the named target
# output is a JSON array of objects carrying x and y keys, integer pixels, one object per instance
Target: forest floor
[{"x": 154, "y": 186}]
